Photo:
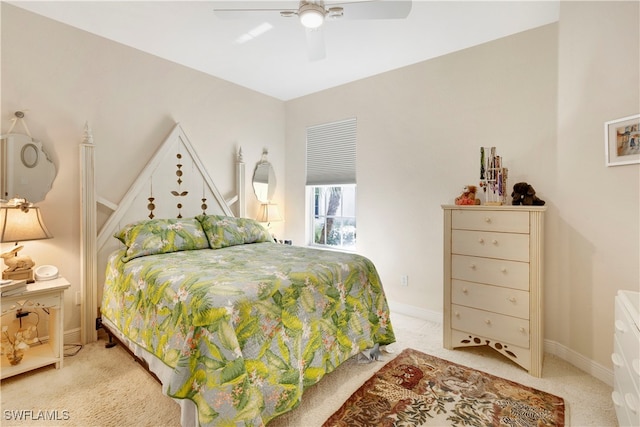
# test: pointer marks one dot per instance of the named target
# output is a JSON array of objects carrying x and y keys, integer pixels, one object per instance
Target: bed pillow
[
  {"x": 223, "y": 231},
  {"x": 161, "y": 236}
]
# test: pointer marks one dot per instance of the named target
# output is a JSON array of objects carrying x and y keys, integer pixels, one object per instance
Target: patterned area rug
[{"x": 416, "y": 389}]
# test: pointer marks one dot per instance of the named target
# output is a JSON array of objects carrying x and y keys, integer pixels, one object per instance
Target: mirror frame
[{"x": 270, "y": 179}]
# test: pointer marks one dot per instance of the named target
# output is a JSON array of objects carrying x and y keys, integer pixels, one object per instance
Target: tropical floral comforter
[{"x": 246, "y": 328}]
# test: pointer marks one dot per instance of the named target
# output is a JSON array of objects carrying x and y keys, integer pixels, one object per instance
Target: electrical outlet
[
  {"x": 404, "y": 280},
  {"x": 78, "y": 298}
]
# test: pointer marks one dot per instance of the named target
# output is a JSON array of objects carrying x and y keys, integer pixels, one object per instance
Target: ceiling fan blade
[
  {"x": 315, "y": 44},
  {"x": 253, "y": 9},
  {"x": 374, "y": 9}
]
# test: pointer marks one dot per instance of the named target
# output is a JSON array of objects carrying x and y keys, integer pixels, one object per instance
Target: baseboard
[
  {"x": 73, "y": 336},
  {"x": 552, "y": 347},
  {"x": 417, "y": 312},
  {"x": 581, "y": 362}
]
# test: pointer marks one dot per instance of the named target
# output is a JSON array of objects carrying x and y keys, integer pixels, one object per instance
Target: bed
[{"x": 234, "y": 325}]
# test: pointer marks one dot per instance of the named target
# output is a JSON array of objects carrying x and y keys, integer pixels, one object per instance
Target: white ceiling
[{"x": 276, "y": 62}]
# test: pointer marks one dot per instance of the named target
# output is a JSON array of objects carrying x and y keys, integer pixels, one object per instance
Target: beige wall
[
  {"x": 594, "y": 228},
  {"x": 66, "y": 77},
  {"x": 420, "y": 130},
  {"x": 541, "y": 97}
]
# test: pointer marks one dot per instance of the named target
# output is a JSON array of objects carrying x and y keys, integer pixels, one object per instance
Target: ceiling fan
[{"x": 313, "y": 13}]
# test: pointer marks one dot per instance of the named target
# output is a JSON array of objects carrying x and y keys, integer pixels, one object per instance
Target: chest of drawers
[
  {"x": 493, "y": 280},
  {"x": 626, "y": 358}
]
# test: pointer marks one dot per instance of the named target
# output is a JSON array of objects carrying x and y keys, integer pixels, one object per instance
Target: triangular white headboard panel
[
  {"x": 173, "y": 184},
  {"x": 175, "y": 160}
]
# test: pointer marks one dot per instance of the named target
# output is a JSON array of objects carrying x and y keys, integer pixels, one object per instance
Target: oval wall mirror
[
  {"x": 27, "y": 171},
  {"x": 264, "y": 180}
]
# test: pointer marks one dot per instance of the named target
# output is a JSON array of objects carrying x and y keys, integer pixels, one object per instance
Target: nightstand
[{"x": 48, "y": 295}]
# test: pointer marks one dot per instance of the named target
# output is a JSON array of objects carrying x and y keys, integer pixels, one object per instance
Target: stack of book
[{"x": 12, "y": 287}]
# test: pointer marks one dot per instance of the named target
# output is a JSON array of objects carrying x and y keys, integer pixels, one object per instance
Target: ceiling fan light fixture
[{"x": 311, "y": 15}]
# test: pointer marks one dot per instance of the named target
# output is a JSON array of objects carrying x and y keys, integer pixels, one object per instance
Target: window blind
[{"x": 331, "y": 153}]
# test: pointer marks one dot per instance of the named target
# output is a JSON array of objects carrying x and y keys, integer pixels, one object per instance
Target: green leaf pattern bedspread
[{"x": 246, "y": 328}]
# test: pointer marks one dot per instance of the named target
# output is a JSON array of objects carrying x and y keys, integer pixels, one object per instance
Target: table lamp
[
  {"x": 19, "y": 224},
  {"x": 269, "y": 212}
]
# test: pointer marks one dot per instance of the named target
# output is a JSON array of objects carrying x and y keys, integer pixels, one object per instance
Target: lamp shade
[
  {"x": 268, "y": 213},
  {"x": 19, "y": 225}
]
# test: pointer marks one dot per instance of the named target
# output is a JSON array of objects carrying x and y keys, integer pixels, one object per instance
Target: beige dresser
[{"x": 493, "y": 280}]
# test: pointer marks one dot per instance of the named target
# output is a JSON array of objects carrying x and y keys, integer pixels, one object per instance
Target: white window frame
[
  {"x": 340, "y": 217},
  {"x": 331, "y": 162}
]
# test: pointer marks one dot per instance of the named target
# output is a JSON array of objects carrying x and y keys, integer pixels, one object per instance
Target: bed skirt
[{"x": 188, "y": 409}]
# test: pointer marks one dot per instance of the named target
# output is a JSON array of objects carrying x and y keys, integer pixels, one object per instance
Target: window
[
  {"x": 331, "y": 184},
  {"x": 334, "y": 216}
]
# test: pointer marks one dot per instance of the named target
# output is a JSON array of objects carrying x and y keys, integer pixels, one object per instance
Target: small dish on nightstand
[{"x": 46, "y": 272}]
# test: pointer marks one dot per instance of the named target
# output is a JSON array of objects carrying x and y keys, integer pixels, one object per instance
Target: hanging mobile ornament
[
  {"x": 179, "y": 181},
  {"x": 203, "y": 206},
  {"x": 151, "y": 206}
]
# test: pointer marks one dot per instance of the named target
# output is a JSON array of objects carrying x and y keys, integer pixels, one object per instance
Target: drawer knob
[
  {"x": 632, "y": 402},
  {"x": 521, "y": 329},
  {"x": 481, "y": 240},
  {"x": 457, "y": 314},
  {"x": 503, "y": 269},
  {"x": 617, "y": 360},
  {"x": 472, "y": 266},
  {"x": 494, "y": 241},
  {"x": 487, "y": 321},
  {"x": 620, "y": 326},
  {"x": 465, "y": 291},
  {"x": 617, "y": 399},
  {"x": 512, "y": 299},
  {"x": 487, "y": 220}
]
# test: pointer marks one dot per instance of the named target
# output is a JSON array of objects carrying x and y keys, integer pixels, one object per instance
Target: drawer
[
  {"x": 510, "y": 274},
  {"x": 490, "y": 245},
  {"x": 39, "y": 301},
  {"x": 623, "y": 372},
  {"x": 490, "y": 220},
  {"x": 628, "y": 338},
  {"x": 511, "y": 302},
  {"x": 504, "y": 329}
]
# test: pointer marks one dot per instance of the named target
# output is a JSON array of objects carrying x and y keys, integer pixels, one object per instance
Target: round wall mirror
[
  {"x": 27, "y": 172},
  {"x": 264, "y": 180}
]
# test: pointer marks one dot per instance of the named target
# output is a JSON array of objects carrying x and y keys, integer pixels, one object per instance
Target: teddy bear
[
  {"x": 524, "y": 194},
  {"x": 468, "y": 196}
]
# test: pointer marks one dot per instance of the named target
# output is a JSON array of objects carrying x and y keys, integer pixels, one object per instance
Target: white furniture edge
[{"x": 93, "y": 240}]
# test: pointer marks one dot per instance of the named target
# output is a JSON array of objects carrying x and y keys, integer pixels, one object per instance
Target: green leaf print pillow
[
  {"x": 161, "y": 236},
  {"x": 223, "y": 231}
]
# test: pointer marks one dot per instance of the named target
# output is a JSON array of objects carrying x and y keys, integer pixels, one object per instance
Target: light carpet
[
  {"x": 416, "y": 389},
  {"x": 106, "y": 387}
]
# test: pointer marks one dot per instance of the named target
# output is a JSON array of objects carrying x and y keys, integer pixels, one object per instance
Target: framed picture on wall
[{"x": 622, "y": 141}]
